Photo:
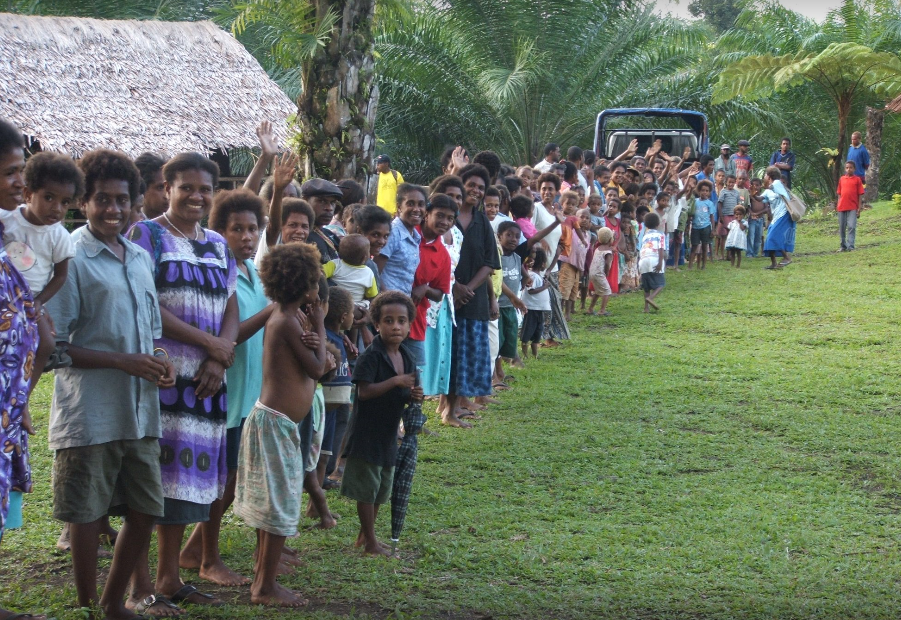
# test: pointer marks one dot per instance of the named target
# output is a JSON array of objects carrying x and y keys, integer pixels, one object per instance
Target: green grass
[{"x": 735, "y": 456}]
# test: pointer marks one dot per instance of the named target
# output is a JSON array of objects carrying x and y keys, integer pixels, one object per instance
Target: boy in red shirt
[{"x": 850, "y": 189}]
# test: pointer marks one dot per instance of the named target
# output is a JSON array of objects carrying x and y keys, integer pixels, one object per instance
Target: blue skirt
[
  {"x": 780, "y": 236},
  {"x": 471, "y": 362},
  {"x": 435, "y": 376}
]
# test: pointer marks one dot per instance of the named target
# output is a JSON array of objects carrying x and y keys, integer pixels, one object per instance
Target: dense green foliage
[
  {"x": 721, "y": 14},
  {"x": 513, "y": 75},
  {"x": 734, "y": 456}
]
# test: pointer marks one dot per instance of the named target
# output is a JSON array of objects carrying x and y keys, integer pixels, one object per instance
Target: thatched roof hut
[{"x": 78, "y": 84}]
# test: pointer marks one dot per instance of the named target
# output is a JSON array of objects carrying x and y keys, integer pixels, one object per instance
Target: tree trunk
[
  {"x": 336, "y": 111},
  {"x": 875, "y": 121}
]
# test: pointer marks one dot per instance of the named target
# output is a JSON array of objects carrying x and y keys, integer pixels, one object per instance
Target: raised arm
[
  {"x": 282, "y": 175},
  {"x": 628, "y": 153},
  {"x": 269, "y": 149}
]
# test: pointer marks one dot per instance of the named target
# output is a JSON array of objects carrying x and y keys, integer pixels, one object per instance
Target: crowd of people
[{"x": 238, "y": 347}]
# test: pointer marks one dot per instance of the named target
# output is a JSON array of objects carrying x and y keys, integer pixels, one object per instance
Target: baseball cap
[
  {"x": 382, "y": 159},
  {"x": 725, "y": 146}
]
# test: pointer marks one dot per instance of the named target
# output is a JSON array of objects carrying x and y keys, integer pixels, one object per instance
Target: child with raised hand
[
  {"x": 38, "y": 244},
  {"x": 601, "y": 263},
  {"x": 537, "y": 301},
  {"x": 737, "y": 239},
  {"x": 700, "y": 215},
  {"x": 652, "y": 261},
  {"x": 270, "y": 462},
  {"x": 385, "y": 376}
]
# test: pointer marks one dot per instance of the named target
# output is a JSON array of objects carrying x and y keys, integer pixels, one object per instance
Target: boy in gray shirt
[{"x": 726, "y": 202}]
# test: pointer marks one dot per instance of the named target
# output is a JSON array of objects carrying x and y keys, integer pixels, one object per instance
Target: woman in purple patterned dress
[
  {"x": 18, "y": 342},
  {"x": 195, "y": 278}
]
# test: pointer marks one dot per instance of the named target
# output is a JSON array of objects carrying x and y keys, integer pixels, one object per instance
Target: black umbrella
[{"x": 404, "y": 468}]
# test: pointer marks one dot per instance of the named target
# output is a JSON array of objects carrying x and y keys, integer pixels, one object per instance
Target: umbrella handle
[{"x": 394, "y": 542}]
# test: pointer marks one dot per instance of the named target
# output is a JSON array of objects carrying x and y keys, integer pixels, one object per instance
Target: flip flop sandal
[
  {"x": 188, "y": 590},
  {"x": 468, "y": 415},
  {"x": 147, "y": 602},
  {"x": 500, "y": 386}
]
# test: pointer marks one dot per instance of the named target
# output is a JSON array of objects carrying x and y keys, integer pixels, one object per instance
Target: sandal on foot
[
  {"x": 188, "y": 590},
  {"x": 146, "y": 604}
]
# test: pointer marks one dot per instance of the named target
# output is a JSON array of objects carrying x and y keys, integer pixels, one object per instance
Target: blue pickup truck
[{"x": 676, "y": 129}]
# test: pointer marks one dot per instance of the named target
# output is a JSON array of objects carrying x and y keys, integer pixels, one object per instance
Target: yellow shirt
[{"x": 386, "y": 197}]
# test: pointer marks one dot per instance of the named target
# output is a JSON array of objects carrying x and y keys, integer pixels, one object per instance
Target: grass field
[{"x": 735, "y": 456}]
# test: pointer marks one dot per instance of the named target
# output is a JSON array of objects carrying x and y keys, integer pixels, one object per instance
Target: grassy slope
[{"x": 734, "y": 456}]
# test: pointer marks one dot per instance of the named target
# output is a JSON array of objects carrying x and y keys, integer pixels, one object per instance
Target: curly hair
[
  {"x": 290, "y": 271},
  {"x": 353, "y": 192},
  {"x": 104, "y": 165},
  {"x": 390, "y": 298},
  {"x": 190, "y": 161},
  {"x": 234, "y": 201},
  {"x": 340, "y": 303},
  {"x": 490, "y": 160},
  {"x": 290, "y": 206},
  {"x": 475, "y": 170},
  {"x": 549, "y": 177},
  {"x": 55, "y": 168}
]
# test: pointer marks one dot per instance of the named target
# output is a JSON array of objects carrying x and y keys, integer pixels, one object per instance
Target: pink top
[{"x": 527, "y": 227}]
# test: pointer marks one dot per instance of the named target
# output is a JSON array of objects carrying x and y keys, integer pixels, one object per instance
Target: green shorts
[
  {"x": 367, "y": 483},
  {"x": 109, "y": 478},
  {"x": 508, "y": 328}
]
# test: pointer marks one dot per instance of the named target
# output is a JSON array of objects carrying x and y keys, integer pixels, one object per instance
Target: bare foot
[
  {"x": 189, "y": 559},
  {"x": 518, "y": 363},
  {"x": 62, "y": 542},
  {"x": 279, "y": 597},
  {"x": 222, "y": 575},
  {"x": 488, "y": 400},
  {"x": 652, "y": 304},
  {"x": 377, "y": 551},
  {"x": 290, "y": 559},
  {"x": 5, "y": 614},
  {"x": 326, "y": 523},
  {"x": 360, "y": 542},
  {"x": 452, "y": 420}
]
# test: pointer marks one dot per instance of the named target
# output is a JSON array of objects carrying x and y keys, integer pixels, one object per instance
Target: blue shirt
[
  {"x": 861, "y": 158},
  {"x": 106, "y": 304},
  {"x": 402, "y": 252},
  {"x": 784, "y": 158},
  {"x": 703, "y": 213},
  {"x": 245, "y": 377}
]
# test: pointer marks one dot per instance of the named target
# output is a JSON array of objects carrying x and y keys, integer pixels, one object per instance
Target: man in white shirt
[
  {"x": 576, "y": 157},
  {"x": 551, "y": 157}
]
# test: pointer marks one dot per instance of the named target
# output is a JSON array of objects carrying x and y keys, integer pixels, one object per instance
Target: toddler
[
  {"x": 38, "y": 244},
  {"x": 737, "y": 239},
  {"x": 601, "y": 263},
  {"x": 349, "y": 270},
  {"x": 652, "y": 261},
  {"x": 521, "y": 211},
  {"x": 537, "y": 300}
]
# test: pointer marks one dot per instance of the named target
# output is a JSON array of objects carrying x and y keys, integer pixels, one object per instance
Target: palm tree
[
  {"x": 514, "y": 75},
  {"x": 833, "y": 61}
]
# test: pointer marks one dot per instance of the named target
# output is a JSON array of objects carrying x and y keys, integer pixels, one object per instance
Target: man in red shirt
[{"x": 850, "y": 189}]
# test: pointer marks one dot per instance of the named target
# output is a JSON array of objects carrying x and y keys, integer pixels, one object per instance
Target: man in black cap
[
  {"x": 386, "y": 196},
  {"x": 322, "y": 196}
]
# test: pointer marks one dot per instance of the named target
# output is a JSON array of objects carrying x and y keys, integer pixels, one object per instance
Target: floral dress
[
  {"x": 18, "y": 345},
  {"x": 194, "y": 280}
]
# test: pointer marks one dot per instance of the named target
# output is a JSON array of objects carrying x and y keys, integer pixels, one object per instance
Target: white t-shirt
[
  {"x": 543, "y": 166},
  {"x": 649, "y": 253},
  {"x": 34, "y": 250},
  {"x": 542, "y": 219},
  {"x": 358, "y": 280},
  {"x": 538, "y": 301}
]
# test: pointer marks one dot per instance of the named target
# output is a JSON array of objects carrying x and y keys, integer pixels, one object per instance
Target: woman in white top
[{"x": 555, "y": 327}]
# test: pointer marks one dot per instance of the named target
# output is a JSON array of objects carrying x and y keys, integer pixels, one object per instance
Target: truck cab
[{"x": 676, "y": 130}]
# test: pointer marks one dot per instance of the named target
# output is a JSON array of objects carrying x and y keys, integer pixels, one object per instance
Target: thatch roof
[
  {"x": 78, "y": 84},
  {"x": 894, "y": 105}
]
